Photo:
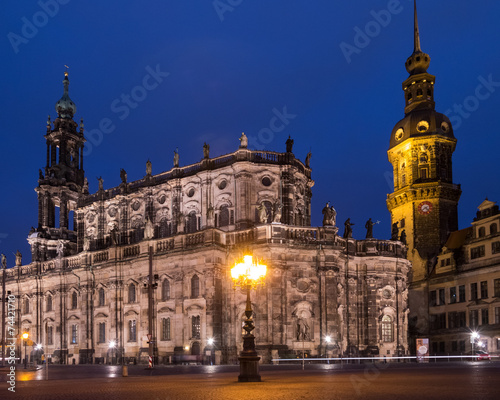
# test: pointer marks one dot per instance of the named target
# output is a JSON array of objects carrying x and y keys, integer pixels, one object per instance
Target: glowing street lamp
[
  {"x": 112, "y": 345},
  {"x": 248, "y": 273},
  {"x": 25, "y": 337},
  {"x": 474, "y": 335}
]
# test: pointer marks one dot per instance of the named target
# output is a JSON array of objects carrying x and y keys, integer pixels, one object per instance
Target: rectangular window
[
  {"x": 461, "y": 345},
  {"x": 74, "y": 334},
  {"x": 195, "y": 331},
  {"x": 477, "y": 252},
  {"x": 132, "y": 331},
  {"x": 461, "y": 319},
  {"x": 49, "y": 303},
  {"x": 441, "y": 297},
  {"x": 454, "y": 346},
  {"x": 101, "y": 297},
  {"x": 433, "y": 298},
  {"x": 438, "y": 321},
  {"x": 496, "y": 284},
  {"x": 485, "y": 320},
  {"x": 423, "y": 173},
  {"x": 452, "y": 319},
  {"x": 495, "y": 247},
  {"x": 102, "y": 332},
  {"x": 165, "y": 329},
  {"x": 50, "y": 336},
  {"x": 453, "y": 295},
  {"x": 484, "y": 290},
  {"x": 473, "y": 319},
  {"x": 497, "y": 315},
  {"x": 473, "y": 291},
  {"x": 461, "y": 293}
]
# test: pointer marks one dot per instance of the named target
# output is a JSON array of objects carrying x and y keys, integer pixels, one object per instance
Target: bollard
[{"x": 124, "y": 370}]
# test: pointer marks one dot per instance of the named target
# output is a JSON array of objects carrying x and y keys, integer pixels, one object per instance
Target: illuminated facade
[
  {"x": 423, "y": 210},
  {"x": 87, "y": 283}
]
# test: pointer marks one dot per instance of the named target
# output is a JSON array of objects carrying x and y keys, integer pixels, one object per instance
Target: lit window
[
  {"x": 132, "y": 331},
  {"x": 74, "y": 334},
  {"x": 195, "y": 331},
  {"x": 387, "y": 335}
]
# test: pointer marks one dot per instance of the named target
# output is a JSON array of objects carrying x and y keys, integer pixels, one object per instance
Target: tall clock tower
[{"x": 425, "y": 199}]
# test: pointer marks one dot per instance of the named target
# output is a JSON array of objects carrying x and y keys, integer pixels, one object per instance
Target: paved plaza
[{"x": 443, "y": 381}]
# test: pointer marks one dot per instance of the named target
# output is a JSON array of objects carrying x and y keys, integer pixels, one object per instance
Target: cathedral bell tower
[
  {"x": 425, "y": 199},
  {"x": 60, "y": 185}
]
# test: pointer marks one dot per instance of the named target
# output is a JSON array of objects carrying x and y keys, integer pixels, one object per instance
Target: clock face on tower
[{"x": 425, "y": 207}]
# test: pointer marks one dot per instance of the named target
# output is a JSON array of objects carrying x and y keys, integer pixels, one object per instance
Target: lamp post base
[{"x": 249, "y": 369}]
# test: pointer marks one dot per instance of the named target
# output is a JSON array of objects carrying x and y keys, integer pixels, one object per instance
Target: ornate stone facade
[{"x": 88, "y": 286}]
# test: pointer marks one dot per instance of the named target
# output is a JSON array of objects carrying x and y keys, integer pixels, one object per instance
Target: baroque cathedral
[{"x": 147, "y": 264}]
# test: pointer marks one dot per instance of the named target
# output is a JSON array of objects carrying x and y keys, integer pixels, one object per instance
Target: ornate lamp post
[
  {"x": 248, "y": 274},
  {"x": 25, "y": 337}
]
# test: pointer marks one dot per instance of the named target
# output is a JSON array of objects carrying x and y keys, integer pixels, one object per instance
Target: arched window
[
  {"x": 195, "y": 286},
  {"x": 26, "y": 306},
  {"x": 74, "y": 301},
  {"x": 131, "y": 293},
  {"x": 387, "y": 335},
  {"x": 191, "y": 222},
  {"x": 224, "y": 216},
  {"x": 482, "y": 232},
  {"x": 493, "y": 229},
  {"x": 164, "y": 228},
  {"x": 165, "y": 290},
  {"x": 49, "y": 303},
  {"x": 102, "y": 298}
]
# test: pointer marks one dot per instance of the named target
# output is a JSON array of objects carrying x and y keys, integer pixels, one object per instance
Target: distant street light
[
  {"x": 248, "y": 274},
  {"x": 474, "y": 335}
]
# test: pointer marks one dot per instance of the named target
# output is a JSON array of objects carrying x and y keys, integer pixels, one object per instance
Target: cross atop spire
[
  {"x": 416, "y": 48},
  {"x": 419, "y": 61}
]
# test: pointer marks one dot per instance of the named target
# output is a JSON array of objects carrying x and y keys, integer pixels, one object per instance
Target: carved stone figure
[
  {"x": 308, "y": 160},
  {"x": 86, "y": 243},
  {"x": 19, "y": 258},
  {"x": 402, "y": 239},
  {"x": 113, "y": 235},
  {"x": 243, "y": 141},
  {"x": 123, "y": 176},
  {"x": 60, "y": 248},
  {"x": 277, "y": 212},
  {"x": 4, "y": 261},
  {"x": 149, "y": 168},
  {"x": 329, "y": 215},
  {"x": 40, "y": 174},
  {"x": 176, "y": 158},
  {"x": 85, "y": 188},
  {"x": 206, "y": 150},
  {"x": 262, "y": 213},
  {"x": 302, "y": 330},
  {"x": 395, "y": 231},
  {"x": 369, "y": 228},
  {"x": 348, "y": 228},
  {"x": 289, "y": 144},
  {"x": 149, "y": 230},
  {"x": 101, "y": 181}
]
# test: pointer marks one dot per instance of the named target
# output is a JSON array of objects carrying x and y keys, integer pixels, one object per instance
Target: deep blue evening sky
[{"x": 228, "y": 70}]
